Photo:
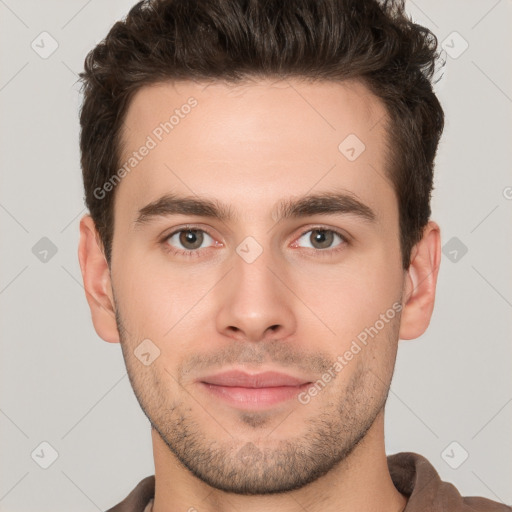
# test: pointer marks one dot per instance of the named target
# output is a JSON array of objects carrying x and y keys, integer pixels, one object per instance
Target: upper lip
[{"x": 236, "y": 378}]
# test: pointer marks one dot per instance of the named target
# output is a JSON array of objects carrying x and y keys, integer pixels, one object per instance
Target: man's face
[{"x": 260, "y": 291}]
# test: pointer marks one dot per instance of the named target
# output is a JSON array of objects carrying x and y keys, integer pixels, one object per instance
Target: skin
[{"x": 251, "y": 146}]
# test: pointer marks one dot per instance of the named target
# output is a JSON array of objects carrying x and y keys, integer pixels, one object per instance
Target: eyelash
[{"x": 194, "y": 253}]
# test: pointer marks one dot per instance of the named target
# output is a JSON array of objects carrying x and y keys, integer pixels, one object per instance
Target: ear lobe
[
  {"x": 420, "y": 284},
  {"x": 97, "y": 283}
]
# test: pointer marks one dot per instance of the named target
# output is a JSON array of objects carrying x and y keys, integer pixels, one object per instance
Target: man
[{"x": 258, "y": 175}]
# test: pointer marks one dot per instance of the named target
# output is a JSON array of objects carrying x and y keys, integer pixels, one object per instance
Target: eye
[
  {"x": 322, "y": 238},
  {"x": 187, "y": 241},
  {"x": 188, "y": 238}
]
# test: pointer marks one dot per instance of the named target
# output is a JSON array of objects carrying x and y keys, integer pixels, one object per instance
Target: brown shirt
[{"x": 412, "y": 475}]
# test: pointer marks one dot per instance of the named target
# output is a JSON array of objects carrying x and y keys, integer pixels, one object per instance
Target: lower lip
[{"x": 254, "y": 397}]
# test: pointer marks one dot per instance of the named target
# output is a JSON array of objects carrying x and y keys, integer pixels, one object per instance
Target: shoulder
[
  {"x": 414, "y": 476},
  {"x": 138, "y": 498}
]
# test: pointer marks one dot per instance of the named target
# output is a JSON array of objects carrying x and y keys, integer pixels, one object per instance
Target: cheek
[
  {"x": 350, "y": 297},
  {"x": 157, "y": 298},
  {"x": 338, "y": 299}
]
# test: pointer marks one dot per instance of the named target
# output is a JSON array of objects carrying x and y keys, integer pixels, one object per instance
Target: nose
[{"x": 255, "y": 303}]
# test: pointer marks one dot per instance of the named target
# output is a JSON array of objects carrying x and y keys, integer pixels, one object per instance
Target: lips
[
  {"x": 252, "y": 392},
  {"x": 236, "y": 378}
]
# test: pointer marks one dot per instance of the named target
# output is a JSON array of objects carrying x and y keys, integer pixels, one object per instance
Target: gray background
[{"x": 61, "y": 384}]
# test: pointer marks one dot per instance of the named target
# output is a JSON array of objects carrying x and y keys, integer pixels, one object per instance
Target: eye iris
[
  {"x": 193, "y": 237},
  {"x": 324, "y": 238}
]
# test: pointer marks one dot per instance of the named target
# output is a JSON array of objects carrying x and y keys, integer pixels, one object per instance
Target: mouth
[{"x": 253, "y": 391}]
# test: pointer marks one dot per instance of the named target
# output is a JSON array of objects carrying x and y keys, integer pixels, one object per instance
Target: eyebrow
[{"x": 326, "y": 203}]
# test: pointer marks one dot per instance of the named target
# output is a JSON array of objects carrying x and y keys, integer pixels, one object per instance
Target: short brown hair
[{"x": 232, "y": 40}]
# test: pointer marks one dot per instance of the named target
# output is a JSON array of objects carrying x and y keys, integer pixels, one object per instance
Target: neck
[{"x": 359, "y": 483}]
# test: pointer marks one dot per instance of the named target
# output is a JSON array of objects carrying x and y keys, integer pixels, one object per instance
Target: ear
[
  {"x": 420, "y": 283},
  {"x": 97, "y": 284}
]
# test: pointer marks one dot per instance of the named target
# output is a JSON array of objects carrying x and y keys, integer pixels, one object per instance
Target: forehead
[{"x": 254, "y": 143}]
